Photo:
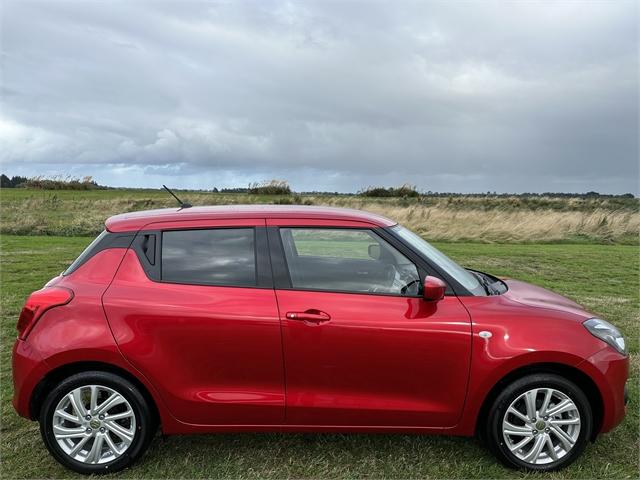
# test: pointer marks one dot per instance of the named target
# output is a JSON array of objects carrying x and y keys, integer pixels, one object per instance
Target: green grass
[{"x": 604, "y": 278}]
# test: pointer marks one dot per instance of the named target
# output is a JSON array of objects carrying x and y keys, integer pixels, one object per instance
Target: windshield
[{"x": 461, "y": 275}]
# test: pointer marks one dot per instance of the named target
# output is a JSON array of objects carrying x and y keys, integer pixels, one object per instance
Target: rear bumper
[
  {"x": 610, "y": 371},
  {"x": 28, "y": 369}
]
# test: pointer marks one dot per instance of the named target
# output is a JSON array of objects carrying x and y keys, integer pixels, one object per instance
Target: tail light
[{"x": 39, "y": 302}]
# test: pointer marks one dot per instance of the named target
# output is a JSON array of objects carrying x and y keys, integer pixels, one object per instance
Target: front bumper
[{"x": 610, "y": 371}]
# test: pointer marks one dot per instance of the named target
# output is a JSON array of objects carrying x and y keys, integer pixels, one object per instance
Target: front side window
[
  {"x": 222, "y": 256},
  {"x": 347, "y": 260}
]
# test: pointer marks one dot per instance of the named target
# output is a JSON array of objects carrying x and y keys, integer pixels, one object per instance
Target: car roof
[{"x": 134, "y": 221}]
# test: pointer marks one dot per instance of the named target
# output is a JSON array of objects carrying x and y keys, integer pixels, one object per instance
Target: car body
[{"x": 287, "y": 318}]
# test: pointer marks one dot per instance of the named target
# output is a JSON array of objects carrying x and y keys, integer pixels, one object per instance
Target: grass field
[
  {"x": 602, "y": 277},
  {"x": 459, "y": 219}
]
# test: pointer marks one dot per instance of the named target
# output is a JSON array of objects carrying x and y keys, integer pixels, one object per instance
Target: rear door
[
  {"x": 195, "y": 311},
  {"x": 362, "y": 348}
]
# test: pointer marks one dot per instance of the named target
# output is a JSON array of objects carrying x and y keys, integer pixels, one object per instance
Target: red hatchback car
[{"x": 256, "y": 318}]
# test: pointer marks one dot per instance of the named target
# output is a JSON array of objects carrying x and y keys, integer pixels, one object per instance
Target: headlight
[{"x": 607, "y": 333}]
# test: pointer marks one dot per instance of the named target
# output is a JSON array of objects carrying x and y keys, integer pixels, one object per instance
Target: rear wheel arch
[
  {"x": 57, "y": 375},
  {"x": 575, "y": 375}
]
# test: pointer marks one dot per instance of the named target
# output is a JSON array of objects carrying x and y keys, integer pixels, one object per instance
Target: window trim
[
  {"x": 264, "y": 279},
  {"x": 281, "y": 274}
]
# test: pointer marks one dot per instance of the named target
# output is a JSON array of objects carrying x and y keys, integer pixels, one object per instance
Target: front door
[
  {"x": 362, "y": 348},
  {"x": 197, "y": 315}
]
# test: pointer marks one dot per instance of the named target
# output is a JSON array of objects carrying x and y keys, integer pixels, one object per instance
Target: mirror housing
[
  {"x": 433, "y": 289},
  {"x": 375, "y": 252}
]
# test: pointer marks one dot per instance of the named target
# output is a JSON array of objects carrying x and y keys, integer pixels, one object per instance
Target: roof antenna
[{"x": 182, "y": 204}]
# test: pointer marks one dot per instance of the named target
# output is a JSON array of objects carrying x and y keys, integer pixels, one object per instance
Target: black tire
[
  {"x": 145, "y": 423},
  {"x": 492, "y": 434}
]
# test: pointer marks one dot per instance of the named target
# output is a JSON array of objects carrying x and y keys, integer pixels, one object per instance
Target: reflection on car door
[
  {"x": 357, "y": 356},
  {"x": 207, "y": 333}
]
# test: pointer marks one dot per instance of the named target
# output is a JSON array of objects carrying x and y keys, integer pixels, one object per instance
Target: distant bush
[
  {"x": 271, "y": 187},
  {"x": 13, "y": 182},
  {"x": 52, "y": 183},
  {"x": 234, "y": 190},
  {"x": 405, "y": 190}
]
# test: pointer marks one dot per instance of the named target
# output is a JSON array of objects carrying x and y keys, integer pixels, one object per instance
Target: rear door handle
[{"x": 312, "y": 316}]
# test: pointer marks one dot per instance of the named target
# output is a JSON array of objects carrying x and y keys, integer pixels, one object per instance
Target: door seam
[{"x": 275, "y": 294}]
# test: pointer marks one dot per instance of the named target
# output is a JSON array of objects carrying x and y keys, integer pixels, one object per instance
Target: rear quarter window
[
  {"x": 86, "y": 253},
  {"x": 104, "y": 241}
]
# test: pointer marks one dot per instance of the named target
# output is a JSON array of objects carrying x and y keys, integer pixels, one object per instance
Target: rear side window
[{"x": 221, "y": 256}]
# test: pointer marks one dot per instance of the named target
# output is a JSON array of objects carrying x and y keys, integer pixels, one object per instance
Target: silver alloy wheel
[
  {"x": 541, "y": 426},
  {"x": 94, "y": 424}
]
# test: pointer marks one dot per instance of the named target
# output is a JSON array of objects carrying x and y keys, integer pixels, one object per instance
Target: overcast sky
[{"x": 331, "y": 95}]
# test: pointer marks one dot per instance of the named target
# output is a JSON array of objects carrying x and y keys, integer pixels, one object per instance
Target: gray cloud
[{"x": 466, "y": 96}]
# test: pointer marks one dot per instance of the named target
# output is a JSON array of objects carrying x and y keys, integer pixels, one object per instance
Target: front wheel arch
[{"x": 581, "y": 379}]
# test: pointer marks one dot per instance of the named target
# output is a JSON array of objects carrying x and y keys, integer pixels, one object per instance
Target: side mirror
[
  {"x": 433, "y": 289},
  {"x": 374, "y": 251}
]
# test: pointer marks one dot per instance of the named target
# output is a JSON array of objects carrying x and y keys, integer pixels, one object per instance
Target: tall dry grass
[
  {"x": 507, "y": 222},
  {"x": 436, "y": 219},
  {"x": 439, "y": 223}
]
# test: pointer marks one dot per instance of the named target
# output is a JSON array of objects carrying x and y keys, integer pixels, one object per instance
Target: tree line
[{"x": 281, "y": 187}]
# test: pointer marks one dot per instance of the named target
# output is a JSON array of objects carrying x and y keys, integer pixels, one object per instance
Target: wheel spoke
[
  {"x": 94, "y": 398},
  {"x": 111, "y": 444},
  {"x": 119, "y": 416},
  {"x": 564, "y": 406},
  {"x": 64, "y": 432},
  {"x": 564, "y": 421},
  {"x": 518, "y": 414},
  {"x": 78, "y": 446},
  {"x": 551, "y": 449},
  {"x": 120, "y": 431},
  {"x": 530, "y": 402},
  {"x": 112, "y": 401},
  {"x": 545, "y": 403},
  {"x": 534, "y": 453},
  {"x": 96, "y": 450},
  {"x": 66, "y": 416},
  {"x": 521, "y": 443},
  {"x": 511, "y": 429},
  {"x": 75, "y": 398},
  {"x": 566, "y": 440}
]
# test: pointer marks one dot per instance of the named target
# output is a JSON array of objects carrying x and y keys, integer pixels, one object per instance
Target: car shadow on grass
[{"x": 276, "y": 455}]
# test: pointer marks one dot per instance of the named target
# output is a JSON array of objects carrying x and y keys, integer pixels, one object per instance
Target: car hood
[{"x": 532, "y": 295}]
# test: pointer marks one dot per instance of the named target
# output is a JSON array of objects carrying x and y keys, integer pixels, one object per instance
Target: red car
[{"x": 270, "y": 318}]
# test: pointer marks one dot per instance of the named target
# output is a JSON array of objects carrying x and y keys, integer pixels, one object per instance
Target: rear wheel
[
  {"x": 96, "y": 422},
  {"x": 540, "y": 422}
]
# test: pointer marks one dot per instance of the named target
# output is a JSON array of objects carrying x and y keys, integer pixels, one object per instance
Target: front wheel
[
  {"x": 96, "y": 422},
  {"x": 539, "y": 422}
]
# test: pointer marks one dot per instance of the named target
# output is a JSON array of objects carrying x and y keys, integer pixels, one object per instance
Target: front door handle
[{"x": 312, "y": 316}]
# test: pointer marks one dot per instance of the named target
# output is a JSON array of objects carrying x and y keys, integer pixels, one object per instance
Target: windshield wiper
[{"x": 484, "y": 281}]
